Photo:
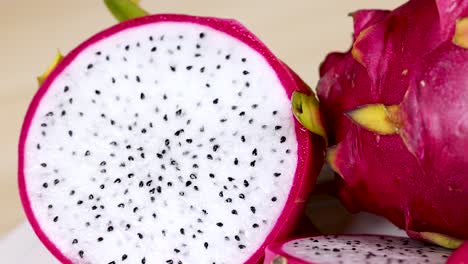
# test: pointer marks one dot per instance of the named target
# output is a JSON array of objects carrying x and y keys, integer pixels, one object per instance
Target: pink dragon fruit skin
[
  {"x": 460, "y": 256},
  {"x": 418, "y": 179}
]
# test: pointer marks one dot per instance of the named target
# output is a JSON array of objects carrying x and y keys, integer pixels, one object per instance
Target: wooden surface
[{"x": 300, "y": 32}]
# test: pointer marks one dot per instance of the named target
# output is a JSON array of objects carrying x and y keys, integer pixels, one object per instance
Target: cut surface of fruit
[
  {"x": 354, "y": 249},
  {"x": 165, "y": 139}
]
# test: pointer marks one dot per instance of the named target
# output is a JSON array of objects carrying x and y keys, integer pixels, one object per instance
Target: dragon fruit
[
  {"x": 354, "y": 249},
  {"x": 394, "y": 108},
  {"x": 460, "y": 256},
  {"x": 166, "y": 139}
]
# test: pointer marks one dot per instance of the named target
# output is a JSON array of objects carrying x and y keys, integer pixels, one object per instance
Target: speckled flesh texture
[
  {"x": 166, "y": 139},
  {"x": 354, "y": 249},
  {"x": 417, "y": 179},
  {"x": 459, "y": 256}
]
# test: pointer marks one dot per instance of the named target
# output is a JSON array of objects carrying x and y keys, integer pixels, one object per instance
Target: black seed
[
  {"x": 90, "y": 66},
  {"x": 228, "y": 200},
  {"x": 205, "y": 245},
  {"x": 97, "y": 92},
  {"x": 234, "y": 212},
  {"x": 230, "y": 179},
  {"x": 243, "y": 59},
  {"x": 215, "y": 101},
  {"x": 110, "y": 229},
  {"x": 274, "y": 199},
  {"x": 142, "y": 96},
  {"x": 202, "y": 35},
  {"x": 81, "y": 253},
  {"x": 124, "y": 257},
  {"x": 276, "y": 174},
  {"x": 143, "y": 261},
  {"x": 188, "y": 183},
  {"x": 211, "y": 175},
  {"x": 221, "y": 194},
  {"x": 219, "y": 224},
  {"x": 140, "y": 235},
  {"x": 236, "y": 161},
  {"x": 56, "y": 219},
  {"x": 242, "y": 113},
  {"x": 50, "y": 206},
  {"x": 189, "y": 67},
  {"x": 241, "y": 246},
  {"x": 100, "y": 239},
  {"x": 252, "y": 163},
  {"x": 173, "y": 68},
  {"x": 283, "y": 139},
  {"x": 45, "y": 185},
  {"x": 236, "y": 237},
  {"x": 277, "y": 127},
  {"x": 245, "y": 72},
  {"x": 44, "y": 165},
  {"x": 243, "y": 138},
  {"x": 255, "y": 225},
  {"x": 241, "y": 196},
  {"x": 177, "y": 133},
  {"x": 153, "y": 49},
  {"x": 202, "y": 69},
  {"x": 274, "y": 112},
  {"x": 227, "y": 57},
  {"x": 252, "y": 208},
  {"x": 79, "y": 202},
  {"x": 246, "y": 183}
]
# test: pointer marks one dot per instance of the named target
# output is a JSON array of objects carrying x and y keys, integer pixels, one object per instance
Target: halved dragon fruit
[
  {"x": 166, "y": 139},
  {"x": 349, "y": 249},
  {"x": 394, "y": 109}
]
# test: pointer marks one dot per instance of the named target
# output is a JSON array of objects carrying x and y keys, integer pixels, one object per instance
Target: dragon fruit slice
[
  {"x": 460, "y": 256},
  {"x": 354, "y": 249},
  {"x": 394, "y": 110},
  {"x": 166, "y": 139}
]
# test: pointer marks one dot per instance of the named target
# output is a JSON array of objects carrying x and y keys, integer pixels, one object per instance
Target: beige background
[{"x": 300, "y": 32}]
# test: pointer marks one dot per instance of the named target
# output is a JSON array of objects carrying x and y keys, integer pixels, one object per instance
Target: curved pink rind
[
  {"x": 275, "y": 249},
  {"x": 309, "y": 152},
  {"x": 459, "y": 256}
]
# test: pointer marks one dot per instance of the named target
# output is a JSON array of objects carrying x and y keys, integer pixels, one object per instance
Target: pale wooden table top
[{"x": 300, "y": 32}]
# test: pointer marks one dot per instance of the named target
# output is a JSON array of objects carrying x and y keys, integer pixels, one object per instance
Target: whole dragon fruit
[
  {"x": 395, "y": 108},
  {"x": 165, "y": 139},
  {"x": 460, "y": 256}
]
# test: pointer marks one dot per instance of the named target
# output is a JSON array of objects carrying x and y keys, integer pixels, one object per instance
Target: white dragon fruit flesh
[{"x": 354, "y": 249}]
